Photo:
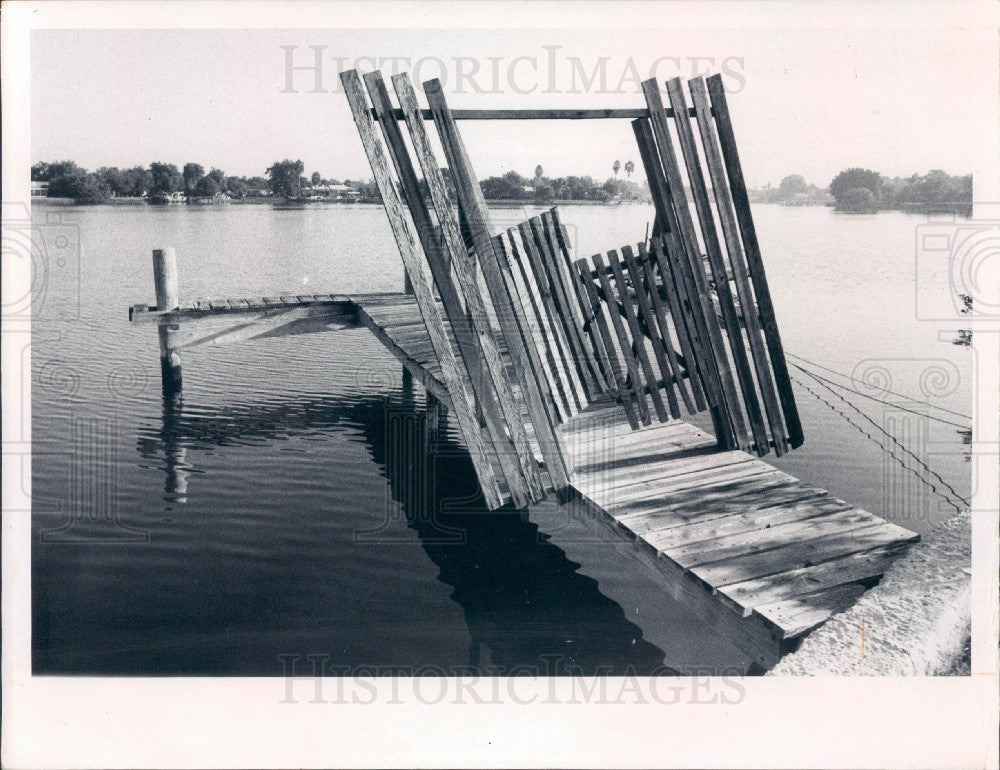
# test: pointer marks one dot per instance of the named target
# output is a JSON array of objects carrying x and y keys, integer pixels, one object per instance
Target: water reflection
[{"x": 525, "y": 604}]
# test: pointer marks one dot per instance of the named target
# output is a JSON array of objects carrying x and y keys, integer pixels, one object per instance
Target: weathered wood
[
  {"x": 607, "y": 348},
  {"x": 624, "y": 345},
  {"x": 464, "y": 269},
  {"x": 717, "y": 264},
  {"x": 167, "y": 298},
  {"x": 518, "y": 283},
  {"x": 510, "y": 314},
  {"x": 540, "y": 303},
  {"x": 462, "y": 401},
  {"x": 544, "y": 231},
  {"x": 741, "y": 202},
  {"x": 797, "y": 554},
  {"x": 662, "y": 313},
  {"x": 734, "y": 246},
  {"x": 165, "y": 278},
  {"x": 638, "y": 342},
  {"x": 675, "y": 284},
  {"x": 658, "y": 341},
  {"x": 549, "y": 300},
  {"x": 679, "y": 224},
  {"x": 603, "y": 379}
]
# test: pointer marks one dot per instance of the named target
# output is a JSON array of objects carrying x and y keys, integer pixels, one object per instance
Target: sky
[{"x": 810, "y": 101}]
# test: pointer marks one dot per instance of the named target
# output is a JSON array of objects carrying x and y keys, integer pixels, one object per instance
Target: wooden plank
[
  {"x": 734, "y": 246},
  {"x": 541, "y": 114},
  {"x": 661, "y": 312},
  {"x": 637, "y": 344},
  {"x": 800, "y": 615},
  {"x": 750, "y": 521},
  {"x": 510, "y": 314},
  {"x": 464, "y": 268},
  {"x": 852, "y": 568},
  {"x": 539, "y": 320},
  {"x": 603, "y": 379},
  {"x": 674, "y": 280},
  {"x": 777, "y": 536},
  {"x": 610, "y": 357},
  {"x": 471, "y": 351},
  {"x": 679, "y": 222},
  {"x": 567, "y": 366},
  {"x": 542, "y": 228},
  {"x": 517, "y": 284},
  {"x": 717, "y": 264},
  {"x": 462, "y": 402},
  {"x": 656, "y": 341},
  {"x": 741, "y": 202},
  {"x": 803, "y": 554},
  {"x": 624, "y": 346}
]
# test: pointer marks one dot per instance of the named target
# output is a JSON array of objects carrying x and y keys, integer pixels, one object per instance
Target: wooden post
[{"x": 165, "y": 284}]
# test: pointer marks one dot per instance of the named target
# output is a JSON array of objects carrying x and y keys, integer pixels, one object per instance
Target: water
[{"x": 285, "y": 504}]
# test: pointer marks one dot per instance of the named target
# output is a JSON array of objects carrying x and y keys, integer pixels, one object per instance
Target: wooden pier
[{"x": 570, "y": 377}]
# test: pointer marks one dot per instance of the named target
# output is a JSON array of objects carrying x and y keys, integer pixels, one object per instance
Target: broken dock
[{"x": 570, "y": 377}]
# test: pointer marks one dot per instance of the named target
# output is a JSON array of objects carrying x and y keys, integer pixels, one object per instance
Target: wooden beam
[
  {"x": 607, "y": 349},
  {"x": 679, "y": 224},
  {"x": 730, "y": 232},
  {"x": 741, "y": 201},
  {"x": 462, "y": 401},
  {"x": 717, "y": 264},
  {"x": 540, "y": 114},
  {"x": 528, "y": 487},
  {"x": 510, "y": 314}
]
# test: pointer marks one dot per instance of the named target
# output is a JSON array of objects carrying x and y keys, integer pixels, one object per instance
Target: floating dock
[{"x": 569, "y": 377}]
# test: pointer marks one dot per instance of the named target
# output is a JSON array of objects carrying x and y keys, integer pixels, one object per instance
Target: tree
[
  {"x": 510, "y": 186},
  {"x": 46, "y": 172},
  {"x": 207, "y": 187},
  {"x": 164, "y": 179},
  {"x": 193, "y": 172},
  {"x": 285, "y": 177},
  {"x": 236, "y": 186},
  {"x": 859, "y": 200},
  {"x": 792, "y": 185},
  {"x": 539, "y": 171},
  {"x": 80, "y": 186},
  {"x": 114, "y": 179},
  {"x": 316, "y": 179},
  {"x": 137, "y": 181},
  {"x": 616, "y": 167},
  {"x": 629, "y": 168},
  {"x": 855, "y": 178},
  {"x": 219, "y": 177}
]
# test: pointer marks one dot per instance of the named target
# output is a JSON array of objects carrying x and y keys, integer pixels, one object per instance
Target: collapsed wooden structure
[{"x": 554, "y": 367}]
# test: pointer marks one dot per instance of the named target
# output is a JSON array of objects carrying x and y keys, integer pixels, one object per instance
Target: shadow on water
[{"x": 527, "y": 608}]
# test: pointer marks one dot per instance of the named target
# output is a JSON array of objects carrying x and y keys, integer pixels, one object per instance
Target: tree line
[
  {"x": 514, "y": 186},
  {"x": 282, "y": 178},
  {"x": 864, "y": 190}
]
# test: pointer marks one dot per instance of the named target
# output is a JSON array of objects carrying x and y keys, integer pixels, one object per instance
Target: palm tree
[
  {"x": 629, "y": 168},
  {"x": 538, "y": 171},
  {"x": 616, "y": 167}
]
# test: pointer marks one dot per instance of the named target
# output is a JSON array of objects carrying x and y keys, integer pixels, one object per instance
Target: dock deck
[{"x": 770, "y": 556}]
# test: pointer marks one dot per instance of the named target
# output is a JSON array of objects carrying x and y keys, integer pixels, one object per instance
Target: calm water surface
[{"x": 287, "y": 503}]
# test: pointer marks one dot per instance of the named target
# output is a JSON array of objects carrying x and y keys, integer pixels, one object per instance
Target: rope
[
  {"x": 892, "y": 438},
  {"x": 873, "y": 398}
]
